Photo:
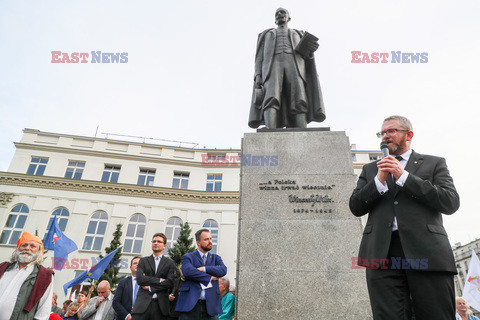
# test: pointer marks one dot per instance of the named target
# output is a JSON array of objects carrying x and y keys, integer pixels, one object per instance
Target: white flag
[{"x": 471, "y": 289}]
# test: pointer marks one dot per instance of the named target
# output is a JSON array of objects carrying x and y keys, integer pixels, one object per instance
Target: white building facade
[{"x": 94, "y": 184}]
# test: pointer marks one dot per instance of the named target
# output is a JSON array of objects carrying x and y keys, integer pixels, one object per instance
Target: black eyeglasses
[{"x": 389, "y": 131}]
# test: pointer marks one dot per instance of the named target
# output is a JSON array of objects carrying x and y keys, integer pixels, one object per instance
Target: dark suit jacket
[
  {"x": 191, "y": 289},
  {"x": 176, "y": 290},
  {"x": 146, "y": 276},
  {"x": 427, "y": 192},
  {"x": 122, "y": 301}
]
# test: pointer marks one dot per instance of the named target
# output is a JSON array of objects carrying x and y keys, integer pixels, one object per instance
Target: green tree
[
  {"x": 184, "y": 244},
  {"x": 111, "y": 273}
]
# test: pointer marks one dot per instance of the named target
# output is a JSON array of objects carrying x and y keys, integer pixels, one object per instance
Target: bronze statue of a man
[{"x": 286, "y": 92}]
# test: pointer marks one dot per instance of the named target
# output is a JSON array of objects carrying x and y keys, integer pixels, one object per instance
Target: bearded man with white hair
[{"x": 26, "y": 287}]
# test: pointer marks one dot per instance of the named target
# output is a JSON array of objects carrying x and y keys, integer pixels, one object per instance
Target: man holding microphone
[{"x": 405, "y": 195}]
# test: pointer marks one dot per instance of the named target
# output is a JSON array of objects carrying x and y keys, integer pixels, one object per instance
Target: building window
[
  {"x": 172, "y": 231},
  {"x": 37, "y": 166},
  {"x": 354, "y": 157},
  {"x": 75, "y": 169},
  {"x": 214, "y": 182},
  {"x": 14, "y": 226},
  {"x": 111, "y": 173},
  {"x": 180, "y": 180},
  {"x": 62, "y": 218},
  {"x": 216, "y": 158},
  {"x": 135, "y": 233},
  {"x": 146, "y": 177},
  {"x": 374, "y": 158},
  {"x": 96, "y": 231},
  {"x": 212, "y": 225}
]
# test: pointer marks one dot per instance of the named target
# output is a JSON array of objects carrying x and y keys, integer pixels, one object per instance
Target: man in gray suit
[
  {"x": 291, "y": 95},
  {"x": 99, "y": 307},
  {"x": 405, "y": 195}
]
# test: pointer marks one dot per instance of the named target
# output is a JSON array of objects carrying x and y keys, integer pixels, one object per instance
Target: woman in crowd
[
  {"x": 462, "y": 310},
  {"x": 71, "y": 313}
]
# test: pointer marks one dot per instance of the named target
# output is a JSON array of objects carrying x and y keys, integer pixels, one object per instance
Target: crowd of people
[
  {"x": 152, "y": 291},
  {"x": 404, "y": 194}
]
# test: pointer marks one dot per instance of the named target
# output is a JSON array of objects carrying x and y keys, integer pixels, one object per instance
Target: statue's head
[{"x": 282, "y": 16}]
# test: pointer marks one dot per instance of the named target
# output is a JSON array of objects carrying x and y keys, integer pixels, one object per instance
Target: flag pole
[{"x": 87, "y": 300}]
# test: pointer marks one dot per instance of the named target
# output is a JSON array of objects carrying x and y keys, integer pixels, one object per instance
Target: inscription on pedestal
[
  {"x": 300, "y": 195},
  {"x": 302, "y": 202}
]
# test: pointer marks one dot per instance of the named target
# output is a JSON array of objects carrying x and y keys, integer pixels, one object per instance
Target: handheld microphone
[{"x": 384, "y": 148}]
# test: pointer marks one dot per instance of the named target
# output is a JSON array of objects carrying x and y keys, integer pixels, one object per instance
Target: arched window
[
  {"x": 212, "y": 225},
  {"x": 14, "y": 226},
  {"x": 172, "y": 231},
  {"x": 135, "y": 234},
  {"x": 62, "y": 218},
  {"x": 96, "y": 231}
]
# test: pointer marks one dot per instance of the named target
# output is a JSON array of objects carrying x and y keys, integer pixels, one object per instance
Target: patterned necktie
[{"x": 204, "y": 259}]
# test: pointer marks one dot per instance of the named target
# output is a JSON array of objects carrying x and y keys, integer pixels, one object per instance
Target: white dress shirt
[
  {"x": 157, "y": 262},
  {"x": 204, "y": 258},
  {"x": 382, "y": 188},
  {"x": 10, "y": 285}
]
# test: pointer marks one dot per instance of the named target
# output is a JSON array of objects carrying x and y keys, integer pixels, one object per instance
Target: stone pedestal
[{"x": 297, "y": 236}]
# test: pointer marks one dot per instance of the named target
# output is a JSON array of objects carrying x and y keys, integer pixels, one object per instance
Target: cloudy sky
[{"x": 190, "y": 73}]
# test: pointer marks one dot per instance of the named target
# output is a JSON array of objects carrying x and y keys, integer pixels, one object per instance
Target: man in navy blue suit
[
  {"x": 199, "y": 296},
  {"x": 126, "y": 293}
]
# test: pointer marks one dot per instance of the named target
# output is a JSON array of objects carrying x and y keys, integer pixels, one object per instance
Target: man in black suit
[
  {"x": 405, "y": 198},
  {"x": 126, "y": 293},
  {"x": 155, "y": 275}
]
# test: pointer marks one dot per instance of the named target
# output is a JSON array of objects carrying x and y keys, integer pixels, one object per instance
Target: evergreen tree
[
  {"x": 184, "y": 244},
  {"x": 111, "y": 273}
]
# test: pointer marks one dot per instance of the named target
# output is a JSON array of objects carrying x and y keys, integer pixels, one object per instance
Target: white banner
[{"x": 471, "y": 289}]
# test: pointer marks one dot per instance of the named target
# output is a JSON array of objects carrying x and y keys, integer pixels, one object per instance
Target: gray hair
[
  {"x": 404, "y": 122},
  {"x": 38, "y": 256},
  {"x": 227, "y": 282}
]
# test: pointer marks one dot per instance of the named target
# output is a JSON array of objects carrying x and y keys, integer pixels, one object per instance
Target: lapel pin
[{"x": 416, "y": 162}]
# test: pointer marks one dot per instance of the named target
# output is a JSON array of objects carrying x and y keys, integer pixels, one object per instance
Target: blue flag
[
  {"x": 95, "y": 271},
  {"x": 58, "y": 242}
]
